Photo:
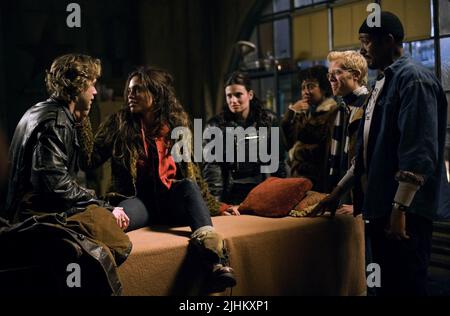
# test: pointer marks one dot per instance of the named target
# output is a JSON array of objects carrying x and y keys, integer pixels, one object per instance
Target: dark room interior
[{"x": 201, "y": 43}]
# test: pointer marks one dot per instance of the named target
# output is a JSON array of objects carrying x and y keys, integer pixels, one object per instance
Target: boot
[{"x": 211, "y": 247}]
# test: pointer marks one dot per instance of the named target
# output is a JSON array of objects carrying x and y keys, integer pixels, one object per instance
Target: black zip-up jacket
[
  {"x": 43, "y": 161},
  {"x": 222, "y": 177}
]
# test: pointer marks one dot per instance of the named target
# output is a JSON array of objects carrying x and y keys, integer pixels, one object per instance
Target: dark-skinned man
[{"x": 398, "y": 175}]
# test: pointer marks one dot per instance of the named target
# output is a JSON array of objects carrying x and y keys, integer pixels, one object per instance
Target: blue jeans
[{"x": 182, "y": 205}]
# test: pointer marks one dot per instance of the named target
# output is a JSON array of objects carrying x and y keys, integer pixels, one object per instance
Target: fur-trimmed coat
[
  {"x": 308, "y": 137},
  {"x": 96, "y": 151}
]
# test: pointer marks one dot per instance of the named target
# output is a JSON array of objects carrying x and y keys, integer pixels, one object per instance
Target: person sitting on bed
[{"x": 147, "y": 183}]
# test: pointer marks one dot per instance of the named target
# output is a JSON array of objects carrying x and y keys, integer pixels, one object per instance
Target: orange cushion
[
  {"x": 275, "y": 197},
  {"x": 305, "y": 207}
]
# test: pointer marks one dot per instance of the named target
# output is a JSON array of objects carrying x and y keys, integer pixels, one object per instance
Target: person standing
[
  {"x": 307, "y": 127},
  {"x": 399, "y": 172},
  {"x": 347, "y": 74}
]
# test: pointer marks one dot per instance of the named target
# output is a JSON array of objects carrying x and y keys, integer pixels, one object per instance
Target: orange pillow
[
  {"x": 305, "y": 207},
  {"x": 275, "y": 197}
]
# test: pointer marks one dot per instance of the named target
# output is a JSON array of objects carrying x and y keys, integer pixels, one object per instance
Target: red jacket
[{"x": 167, "y": 169}]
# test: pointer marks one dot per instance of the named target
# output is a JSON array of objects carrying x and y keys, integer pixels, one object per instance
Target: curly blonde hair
[
  {"x": 352, "y": 60},
  {"x": 70, "y": 75}
]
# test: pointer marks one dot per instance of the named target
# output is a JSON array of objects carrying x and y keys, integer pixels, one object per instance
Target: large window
[
  {"x": 279, "y": 55},
  {"x": 444, "y": 61},
  {"x": 282, "y": 40},
  {"x": 422, "y": 51},
  {"x": 305, "y": 3},
  {"x": 297, "y": 34}
]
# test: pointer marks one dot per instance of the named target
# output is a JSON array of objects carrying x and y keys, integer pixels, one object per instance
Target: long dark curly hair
[
  {"x": 258, "y": 113},
  {"x": 166, "y": 111}
]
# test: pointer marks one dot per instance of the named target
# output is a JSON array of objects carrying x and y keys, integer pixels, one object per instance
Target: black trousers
[
  {"x": 403, "y": 263},
  {"x": 182, "y": 205}
]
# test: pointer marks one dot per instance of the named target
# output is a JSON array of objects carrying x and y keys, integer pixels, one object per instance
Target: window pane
[
  {"x": 444, "y": 16},
  {"x": 256, "y": 87},
  {"x": 423, "y": 52},
  {"x": 266, "y": 39},
  {"x": 372, "y": 77},
  {"x": 301, "y": 3},
  {"x": 445, "y": 62},
  {"x": 448, "y": 121},
  {"x": 296, "y": 89},
  {"x": 447, "y": 143},
  {"x": 282, "y": 39},
  {"x": 281, "y": 5},
  {"x": 267, "y": 94},
  {"x": 286, "y": 84},
  {"x": 251, "y": 57},
  {"x": 310, "y": 63}
]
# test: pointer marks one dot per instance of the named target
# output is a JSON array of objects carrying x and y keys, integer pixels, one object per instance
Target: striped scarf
[{"x": 346, "y": 117}]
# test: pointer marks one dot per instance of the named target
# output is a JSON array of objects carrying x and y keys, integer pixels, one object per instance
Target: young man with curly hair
[{"x": 43, "y": 153}]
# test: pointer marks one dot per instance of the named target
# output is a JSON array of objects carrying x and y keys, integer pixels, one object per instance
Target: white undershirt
[{"x": 369, "y": 114}]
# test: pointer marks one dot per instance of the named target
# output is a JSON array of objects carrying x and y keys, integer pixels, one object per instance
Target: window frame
[{"x": 329, "y": 4}]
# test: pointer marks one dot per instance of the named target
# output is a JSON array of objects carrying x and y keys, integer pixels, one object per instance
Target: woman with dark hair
[
  {"x": 146, "y": 182},
  {"x": 230, "y": 182},
  {"x": 308, "y": 125}
]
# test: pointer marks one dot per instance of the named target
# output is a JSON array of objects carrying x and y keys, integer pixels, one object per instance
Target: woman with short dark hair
[{"x": 307, "y": 126}]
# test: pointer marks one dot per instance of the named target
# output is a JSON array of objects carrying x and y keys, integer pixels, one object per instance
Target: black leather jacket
[
  {"x": 230, "y": 182},
  {"x": 44, "y": 162}
]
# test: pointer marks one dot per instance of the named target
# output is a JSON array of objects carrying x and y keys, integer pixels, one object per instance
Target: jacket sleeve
[
  {"x": 304, "y": 128},
  {"x": 213, "y": 175},
  {"x": 95, "y": 151},
  {"x": 50, "y": 167},
  {"x": 214, "y": 206},
  {"x": 418, "y": 125},
  {"x": 313, "y": 130}
]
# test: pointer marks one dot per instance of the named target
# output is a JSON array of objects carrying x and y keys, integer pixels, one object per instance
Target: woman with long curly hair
[
  {"x": 146, "y": 182},
  {"x": 230, "y": 182}
]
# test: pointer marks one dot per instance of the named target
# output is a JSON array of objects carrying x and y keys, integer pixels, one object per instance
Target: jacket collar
[
  {"x": 352, "y": 97},
  {"x": 396, "y": 66},
  {"x": 326, "y": 105},
  {"x": 64, "y": 113}
]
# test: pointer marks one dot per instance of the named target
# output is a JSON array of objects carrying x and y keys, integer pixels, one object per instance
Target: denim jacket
[{"x": 407, "y": 134}]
